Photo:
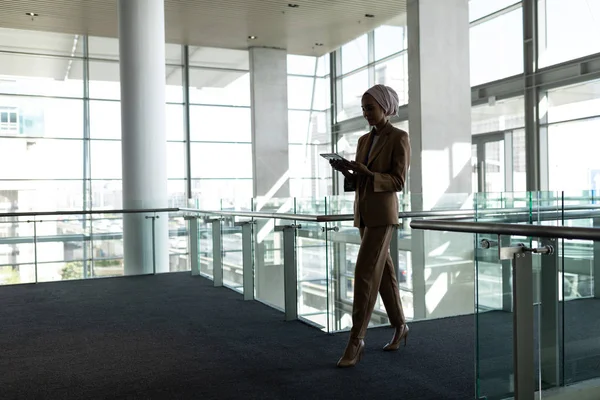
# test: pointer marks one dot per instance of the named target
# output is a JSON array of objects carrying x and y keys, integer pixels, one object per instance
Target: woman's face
[{"x": 372, "y": 111}]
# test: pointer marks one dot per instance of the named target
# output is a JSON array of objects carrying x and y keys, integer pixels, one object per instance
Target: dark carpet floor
[{"x": 174, "y": 336}]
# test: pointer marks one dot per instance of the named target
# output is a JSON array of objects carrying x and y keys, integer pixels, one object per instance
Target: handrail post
[
  {"x": 549, "y": 315},
  {"x": 523, "y": 350},
  {"x": 523, "y": 347},
  {"x": 290, "y": 276},
  {"x": 596, "y": 262},
  {"x": 217, "y": 252},
  {"x": 193, "y": 244},
  {"x": 247, "y": 263}
]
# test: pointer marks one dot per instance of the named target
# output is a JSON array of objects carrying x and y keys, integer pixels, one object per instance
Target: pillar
[
  {"x": 440, "y": 131},
  {"x": 270, "y": 151},
  {"x": 142, "y": 67},
  {"x": 268, "y": 85}
]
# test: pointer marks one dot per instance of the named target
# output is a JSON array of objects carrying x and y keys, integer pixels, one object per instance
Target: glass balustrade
[{"x": 439, "y": 273}]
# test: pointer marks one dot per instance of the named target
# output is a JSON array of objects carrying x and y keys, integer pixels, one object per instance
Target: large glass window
[
  {"x": 355, "y": 54},
  {"x": 496, "y": 48},
  {"x": 389, "y": 39},
  {"x": 394, "y": 73},
  {"x": 568, "y": 30},
  {"x": 308, "y": 129},
  {"x": 573, "y": 114},
  {"x": 481, "y": 8}
]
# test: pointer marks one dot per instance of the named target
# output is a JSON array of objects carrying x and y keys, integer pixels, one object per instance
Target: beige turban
[{"x": 386, "y": 97}]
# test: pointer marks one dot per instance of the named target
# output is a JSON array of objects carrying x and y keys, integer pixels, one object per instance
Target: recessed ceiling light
[
  {"x": 369, "y": 16},
  {"x": 31, "y": 14},
  {"x": 252, "y": 37},
  {"x": 293, "y": 5},
  {"x": 318, "y": 44}
]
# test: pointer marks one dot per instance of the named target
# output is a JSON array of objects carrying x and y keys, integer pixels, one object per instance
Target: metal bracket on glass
[
  {"x": 217, "y": 252},
  {"x": 290, "y": 277},
  {"x": 153, "y": 218},
  {"x": 488, "y": 244},
  {"x": 332, "y": 229},
  {"x": 247, "y": 264}
]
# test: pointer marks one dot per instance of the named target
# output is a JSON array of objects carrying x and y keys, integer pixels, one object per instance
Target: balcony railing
[{"x": 298, "y": 257}]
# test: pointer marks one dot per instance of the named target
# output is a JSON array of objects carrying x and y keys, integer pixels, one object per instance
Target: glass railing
[
  {"x": 54, "y": 246},
  {"x": 298, "y": 256}
]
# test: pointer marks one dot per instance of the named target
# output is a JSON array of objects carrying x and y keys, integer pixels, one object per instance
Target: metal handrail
[
  {"x": 448, "y": 214},
  {"x": 563, "y": 232},
  {"x": 87, "y": 212}
]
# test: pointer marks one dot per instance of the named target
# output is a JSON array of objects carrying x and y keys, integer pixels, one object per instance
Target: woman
[{"x": 379, "y": 171}]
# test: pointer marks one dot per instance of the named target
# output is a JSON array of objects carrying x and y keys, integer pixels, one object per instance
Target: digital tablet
[{"x": 332, "y": 156}]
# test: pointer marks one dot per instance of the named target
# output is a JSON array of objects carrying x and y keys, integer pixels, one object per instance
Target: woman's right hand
[{"x": 339, "y": 165}]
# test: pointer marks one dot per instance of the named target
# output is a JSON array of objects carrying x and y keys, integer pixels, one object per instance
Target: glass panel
[
  {"x": 572, "y": 102},
  {"x": 32, "y": 158},
  {"x": 105, "y": 80},
  {"x": 213, "y": 160},
  {"x": 17, "y": 248},
  {"x": 205, "y": 248},
  {"x": 233, "y": 265},
  {"x": 174, "y": 118},
  {"x": 176, "y": 160},
  {"x": 104, "y": 163},
  {"x": 494, "y": 167},
  {"x": 206, "y": 124},
  {"x": 300, "y": 92},
  {"x": 219, "y": 87},
  {"x": 355, "y": 54},
  {"x": 353, "y": 87},
  {"x": 563, "y": 23},
  {"x": 572, "y": 157},
  {"x": 301, "y": 65},
  {"x": 178, "y": 244},
  {"x": 312, "y": 257},
  {"x": 268, "y": 252},
  {"x": 389, "y": 40},
  {"x": 46, "y": 76},
  {"x": 519, "y": 170},
  {"x": 174, "y": 84},
  {"x": 103, "y": 47},
  {"x": 498, "y": 116},
  {"x": 218, "y": 58},
  {"x": 41, "y": 117},
  {"x": 107, "y": 194},
  {"x": 394, "y": 73},
  {"x": 40, "y": 42},
  {"x": 210, "y": 191},
  {"x": 482, "y": 8},
  {"x": 105, "y": 119},
  {"x": 497, "y": 48}
]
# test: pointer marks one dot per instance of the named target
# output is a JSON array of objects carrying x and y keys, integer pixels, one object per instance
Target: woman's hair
[{"x": 386, "y": 97}]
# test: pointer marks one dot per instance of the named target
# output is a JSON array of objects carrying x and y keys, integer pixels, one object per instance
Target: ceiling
[{"x": 219, "y": 23}]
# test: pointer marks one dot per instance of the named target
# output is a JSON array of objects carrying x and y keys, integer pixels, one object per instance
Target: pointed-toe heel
[
  {"x": 353, "y": 354},
  {"x": 399, "y": 334}
]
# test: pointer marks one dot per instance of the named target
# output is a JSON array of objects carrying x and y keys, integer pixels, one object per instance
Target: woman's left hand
[{"x": 359, "y": 168}]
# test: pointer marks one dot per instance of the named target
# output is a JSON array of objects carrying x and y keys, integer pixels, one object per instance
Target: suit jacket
[{"x": 375, "y": 201}]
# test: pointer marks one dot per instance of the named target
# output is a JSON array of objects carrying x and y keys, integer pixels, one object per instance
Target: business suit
[{"x": 376, "y": 215}]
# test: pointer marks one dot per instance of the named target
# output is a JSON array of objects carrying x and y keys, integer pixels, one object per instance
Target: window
[
  {"x": 355, "y": 54},
  {"x": 496, "y": 48},
  {"x": 568, "y": 30}
]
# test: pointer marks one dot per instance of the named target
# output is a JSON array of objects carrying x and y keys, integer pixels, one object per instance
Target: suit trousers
[{"x": 374, "y": 273}]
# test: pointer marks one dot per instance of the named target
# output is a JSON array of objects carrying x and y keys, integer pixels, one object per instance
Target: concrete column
[
  {"x": 440, "y": 132},
  {"x": 270, "y": 161},
  {"x": 142, "y": 66},
  {"x": 268, "y": 84}
]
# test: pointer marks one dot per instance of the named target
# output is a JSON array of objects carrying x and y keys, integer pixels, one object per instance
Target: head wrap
[{"x": 386, "y": 97}]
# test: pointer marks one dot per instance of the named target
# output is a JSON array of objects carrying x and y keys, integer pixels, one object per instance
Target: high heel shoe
[
  {"x": 399, "y": 334},
  {"x": 353, "y": 353}
]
